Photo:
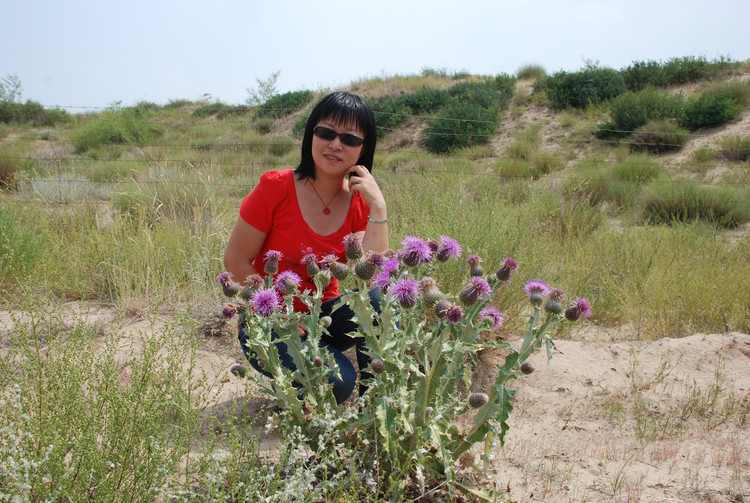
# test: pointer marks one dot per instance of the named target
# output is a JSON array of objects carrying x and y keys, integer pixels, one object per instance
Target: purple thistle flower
[
  {"x": 477, "y": 288},
  {"x": 536, "y": 290},
  {"x": 272, "y": 261},
  {"x": 266, "y": 301},
  {"x": 228, "y": 311},
  {"x": 454, "y": 314},
  {"x": 382, "y": 281},
  {"x": 353, "y": 246},
  {"x": 405, "y": 290},
  {"x": 578, "y": 308},
  {"x": 414, "y": 251},
  {"x": 224, "y": 277},
  {"x": 447, "y": 248},
  {"x": 390, "y": 266},
  {"x": 287, "y": 281},
  {"x": 493, "y": 314},
  {"x": 506, "y": 270},
  {"x": 434, "y": 245},
  {"x": 326, "y": 261}
]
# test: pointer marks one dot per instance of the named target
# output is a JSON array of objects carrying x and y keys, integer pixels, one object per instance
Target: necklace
[{"x": 326, "y": 209}]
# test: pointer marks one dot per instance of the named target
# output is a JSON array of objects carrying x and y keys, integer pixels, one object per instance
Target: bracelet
[{"x": 381, "y": 221}]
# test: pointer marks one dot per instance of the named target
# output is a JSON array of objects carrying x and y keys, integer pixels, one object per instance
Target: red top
[{"x": 273, "y": 209}]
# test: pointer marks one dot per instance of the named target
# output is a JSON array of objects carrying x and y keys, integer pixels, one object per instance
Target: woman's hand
[{"x": 365, "y": 184}]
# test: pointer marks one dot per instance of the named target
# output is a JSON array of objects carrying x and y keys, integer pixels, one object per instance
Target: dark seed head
[
  {"x": 378, "y": 366},
  {"x": 478, "y": 399},
  {"x": 527, "y": 368},
  {"x": 572, "y": 313},
  {"x": 318, "y": 361},
  {"x": 238, "y": 370}
]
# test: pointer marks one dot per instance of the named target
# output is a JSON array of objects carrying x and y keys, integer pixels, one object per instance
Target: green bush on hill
[
  {"x": 581, "y": 89},
  {"x": 285, "y": 104},
  {"x": 630, "y": 111}
]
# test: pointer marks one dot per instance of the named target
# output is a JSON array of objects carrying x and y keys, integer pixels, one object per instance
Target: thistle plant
[{"x": 423, "y": 343}]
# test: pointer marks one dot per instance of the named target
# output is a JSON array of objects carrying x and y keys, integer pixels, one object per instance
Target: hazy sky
[{"x": 92, "y": 53}]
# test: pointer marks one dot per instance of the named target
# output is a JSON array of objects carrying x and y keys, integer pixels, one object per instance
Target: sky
[{"x": 78, "y": 54}]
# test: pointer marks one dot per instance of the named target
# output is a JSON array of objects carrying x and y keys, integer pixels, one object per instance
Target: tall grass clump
[
  {"x": 735, "y": 147},
  {"x": 531, "y": 71},
  {"x": 129, "y": 126},
  {"x": 659, "y": 136},
  {"x": 617, "y": 184},
  {"x": 684, "y": 201},
  {"x": 284, "y": 104}
]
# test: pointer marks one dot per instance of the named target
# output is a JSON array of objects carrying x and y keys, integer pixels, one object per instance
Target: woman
[{"x": 330, "y": 194}]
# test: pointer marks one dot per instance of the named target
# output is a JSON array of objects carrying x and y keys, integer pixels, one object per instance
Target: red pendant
[{"x": 326, "y": 211}]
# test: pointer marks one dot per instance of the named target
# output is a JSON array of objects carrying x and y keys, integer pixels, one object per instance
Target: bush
[
  {"x": 423, "y": 101},
  {"x": 285, "y": 104},
  {"x": 709, "y": 110},
  {"x": 460, "y": 124},
  {"x": 659, "y": 136},
  {"x": 642, "y": 74},
  {"x": 32, "y": 112},
  {"x": 389, "y": 114},
  {"x": 584, "y": 88},
  {"x": 122, "y": 127},
  {"x": 685, "y": 201},
  {"x": 208, "y": 110},
  {"x": 630, "y": 111},
  {"x": 735, "y": 147}
]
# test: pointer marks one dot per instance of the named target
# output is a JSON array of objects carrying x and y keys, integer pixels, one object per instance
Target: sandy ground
[{"x": 604, "y": 420}]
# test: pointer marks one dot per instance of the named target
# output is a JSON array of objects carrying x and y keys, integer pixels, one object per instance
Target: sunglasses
[{"x": 328, "y": 134}]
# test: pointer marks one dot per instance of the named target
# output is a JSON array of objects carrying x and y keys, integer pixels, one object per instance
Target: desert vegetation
[{"x": 626, "y": 187}]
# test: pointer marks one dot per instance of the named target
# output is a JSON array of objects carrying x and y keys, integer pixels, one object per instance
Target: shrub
[
  {"x": 531, "y": 71},
  {"x": 208, "y": 110},
  {"x": 280, "y": 145},
  {"x": 233, "y": 111},
  {"x": 425, "y": 100},
  {"x": 121, "y": 127},
  {"x": 659, "y": 136},
  {"x": 32, "y": 112},
  {"x": 685, "y": 201},
  {"x": 630, "y": 111},
  {"x": 643, "y": 74},
  {"x": 285, "y": 104},
  {"x": 708, "y": 110},
  {"x": 20, "y": 247},
  {"x": 735, "y": 147},
  {"x": 389, "y": 113},
  {"x": 460, "y": 124},
  {"x": 583, "y": 88}
]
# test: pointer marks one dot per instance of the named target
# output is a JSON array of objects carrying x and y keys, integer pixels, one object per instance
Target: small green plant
[
  {"x": 459, "y": 125},
  {"x": 423, "y": 344},
  {"x": 630, "y": 111},
  {"x": 129, "y": 126}
]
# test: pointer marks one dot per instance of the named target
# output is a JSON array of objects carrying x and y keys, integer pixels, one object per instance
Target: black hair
[{"x": 346, "y": 108}]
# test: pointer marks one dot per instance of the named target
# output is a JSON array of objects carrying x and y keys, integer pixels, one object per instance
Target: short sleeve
[{"x": 259, "y": 206}]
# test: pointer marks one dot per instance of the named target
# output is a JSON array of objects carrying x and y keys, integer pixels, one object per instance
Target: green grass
[{"x": 145, "y": 222}]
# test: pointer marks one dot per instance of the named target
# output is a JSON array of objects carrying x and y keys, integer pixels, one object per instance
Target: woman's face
[{"x": 332, "y": 157}]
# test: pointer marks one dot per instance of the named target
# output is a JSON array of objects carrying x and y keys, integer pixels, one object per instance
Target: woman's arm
[
  {"x": 243, "y": 246},
  {"x": 376, "y": 234}
]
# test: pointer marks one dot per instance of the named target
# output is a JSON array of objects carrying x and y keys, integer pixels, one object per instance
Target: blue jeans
[{"x": 336, "y": 342}]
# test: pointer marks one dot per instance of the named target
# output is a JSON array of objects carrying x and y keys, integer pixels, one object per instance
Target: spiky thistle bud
[
  {"x": 477, "y": 400},
  {"x": 318, "y": 361},
  {"x": 536, "y": 290},
  {"x": 475, "y": 267},
  {"x": 527, "y": 367},
  {"x": 477, "y": 288},
  {"x": 554, "y": 301},
  {"x": 340, "y": 271},
  {"x": 506, "y": 270},
  {"x": 431, "y": 294},
  {"x": 353, "y": 246},
  {"x": 238, "y": 370},
  {"x": 312, "y": 266},
  {"x": 365, "y": 269},
  {"x": 253, "y": 283},
  {"x": 326, "y": 321},
  {"x": 272, "y": 261},
  {"x": 228, "y": 311},
  {"x": 428, "y": 411}
]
